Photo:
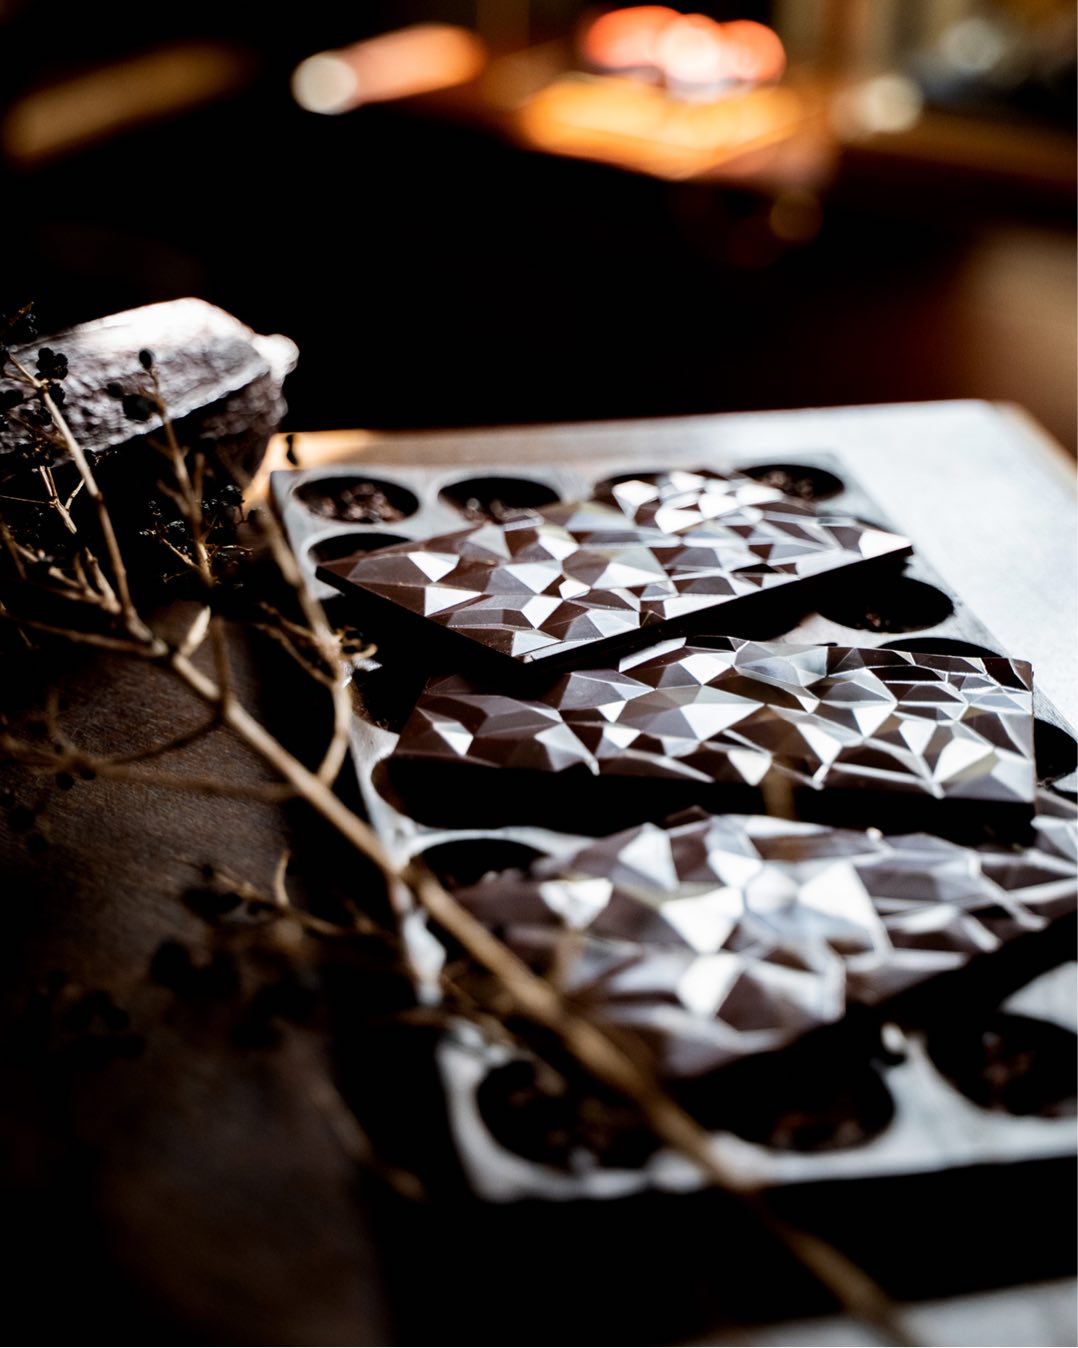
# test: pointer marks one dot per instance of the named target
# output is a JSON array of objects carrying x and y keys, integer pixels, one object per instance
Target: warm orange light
[
  {"x": 626, "y": 39},
  {"x": 752, "y": 52},
  {"x": 411, "y": 61},
  {"x": 90, "y": 106},
  {"x": 689, "y": 51},
  {"x": 639, "y": 126}
]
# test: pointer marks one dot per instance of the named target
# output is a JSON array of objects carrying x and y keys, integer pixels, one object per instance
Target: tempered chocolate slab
[
  {"x": 717, "y": 938},
  {"x": 566, "y": 585},
  {"x": 863, "y": 732}
]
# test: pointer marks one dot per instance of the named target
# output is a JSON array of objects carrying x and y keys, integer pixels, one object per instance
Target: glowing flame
[
  {"x": 411, "y": 61},
  {"x": 686, "y": 50}
]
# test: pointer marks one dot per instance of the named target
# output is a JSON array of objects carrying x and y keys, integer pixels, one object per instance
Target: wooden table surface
[{"x": 200, "y": 1192}]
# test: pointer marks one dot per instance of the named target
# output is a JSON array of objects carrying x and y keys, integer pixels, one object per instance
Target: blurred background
[{"x": 502, "y": 211}]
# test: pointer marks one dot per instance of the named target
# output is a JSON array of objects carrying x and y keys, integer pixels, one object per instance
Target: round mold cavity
[
  {"x": 1055, "y": 750},
  {"x": 1009, "y": 1064},
  {"x": 332, "y": 549},
  {"x": 825, "y": 1092},
  {"x": 835, "y": 1107},
  {"x": 943, "y": 646},
  {"x": 802, "y": 480},
  {"x": 500, "y": 499},
  {"x": 543, "y": 1121},
  {"x": 891, "y": 604},
  {"x": 466, "y": 861},
  {"x": 357, "y": 500}
]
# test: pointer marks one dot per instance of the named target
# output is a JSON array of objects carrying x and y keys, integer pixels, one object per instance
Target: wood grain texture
[{"x": 197, "y": 1182}]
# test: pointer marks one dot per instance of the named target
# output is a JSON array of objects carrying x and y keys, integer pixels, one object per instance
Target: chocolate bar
[
  {"x": 838, "y": 1101},
  {"x": 717, "y": 938},
  {"x": 575, "y": 583},
  {"x": 861, "y": 735}
]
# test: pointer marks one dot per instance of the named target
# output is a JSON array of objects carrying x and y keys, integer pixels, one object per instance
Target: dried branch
[
  {"x": 132, "y": 620},
  {"x": 604, "y": 1059}
]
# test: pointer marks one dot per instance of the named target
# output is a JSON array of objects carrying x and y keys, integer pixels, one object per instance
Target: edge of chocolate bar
[
  {"x": 579, "y": 583},
  {"x": 910, "y": 741},
  {"x": 716, "y": 939}
]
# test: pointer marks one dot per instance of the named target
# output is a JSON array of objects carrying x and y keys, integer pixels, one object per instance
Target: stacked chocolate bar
[{"x": 723, "y": 844}]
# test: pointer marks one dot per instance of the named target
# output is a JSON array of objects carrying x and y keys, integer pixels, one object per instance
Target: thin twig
[
  {"x": 248, "y": 893},
  {"x": 54, "y": 499},
  {"x": 169, "y": 746},
  {"x": 289, "y": 647},
  {"x": 132, "y": 620},
  {"x": 586, "y": 1041},
  {"x": 121, "y": 645},
  {"x": 197, "y": 632},
  {"x": 355, "y": 1144},
  {"x": 328, "y": 648},
  {"x": 280, "y": 891},
  {"x": 45, "y": 758}
]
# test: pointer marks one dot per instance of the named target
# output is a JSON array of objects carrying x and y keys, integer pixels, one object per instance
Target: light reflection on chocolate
[
  {"x": 604, "y": 572},
  {"x": 947, "y": 729},
  {"x": 714, "y": 938}
]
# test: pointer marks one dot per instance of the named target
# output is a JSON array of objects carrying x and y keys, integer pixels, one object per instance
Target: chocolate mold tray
[
  {"x": 907, "y": 607},
  {"x": 584, "y": 582},
  {"x": 914, "y": 1118},
  {"x": 878, "y": 1070}
]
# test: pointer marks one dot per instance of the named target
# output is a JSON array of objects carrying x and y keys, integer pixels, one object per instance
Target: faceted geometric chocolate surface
[
  {"x": 570, "y": 576},
  {"x": 718, "y": 937},
  {"x": 946, "y": 727}
]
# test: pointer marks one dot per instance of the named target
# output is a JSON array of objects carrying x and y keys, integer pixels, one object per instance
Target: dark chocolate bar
[
  {"x": 858, "y": 735},
  {"x": 575, "y": 583},
  {"x": 716, "y": 938}
]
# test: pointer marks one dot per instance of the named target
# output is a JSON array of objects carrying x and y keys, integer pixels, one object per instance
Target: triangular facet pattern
[
  {"x": 942, "y": 727},
  {"x": 647, "y": 552},
  {"x": 724, "y": 936}
]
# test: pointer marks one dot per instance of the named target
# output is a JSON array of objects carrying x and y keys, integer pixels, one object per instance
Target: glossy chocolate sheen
[
  {"x": 716, "y": 938},
  {"x": 568, "y": 584},
  {"x": 870, "y": 732}
]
